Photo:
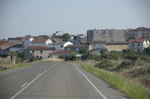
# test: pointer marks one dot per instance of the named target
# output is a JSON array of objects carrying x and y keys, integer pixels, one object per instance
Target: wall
[
  {"x": 45, "y": 53},
  {"x": 116, "y": 47}
]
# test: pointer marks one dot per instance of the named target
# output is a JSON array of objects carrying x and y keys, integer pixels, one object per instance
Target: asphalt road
[{"x": 54, "y": 80}]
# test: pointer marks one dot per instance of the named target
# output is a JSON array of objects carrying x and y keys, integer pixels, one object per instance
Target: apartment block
[{"x": 107, "y": 35}]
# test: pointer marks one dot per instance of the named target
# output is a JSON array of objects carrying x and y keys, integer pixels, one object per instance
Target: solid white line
[
  {"x": 90, "y": 83},
  {"x": 14, "y": 96},
  {"x": 37, "y": 74},
  {"x": 24, "y": 84}
]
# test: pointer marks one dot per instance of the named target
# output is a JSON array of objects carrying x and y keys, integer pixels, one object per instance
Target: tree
[
  {"x": 44, "y": 36},
  {"x": 66, "y": 37},
  {"x": 130, "y": 51},
  {"x": 53, "y": 41},
  {"x": 83, "y": 51},
  {"x": 147, "y": 51}
]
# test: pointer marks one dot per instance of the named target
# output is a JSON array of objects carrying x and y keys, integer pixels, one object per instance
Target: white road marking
[
  {"x": 24, "y": 84},
  {"x": 90, "y": 83},
  {"x": 37, "y": 74},
  {"x": 14, "y": 96}
]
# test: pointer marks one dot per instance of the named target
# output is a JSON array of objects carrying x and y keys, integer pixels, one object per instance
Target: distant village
[{"x": 95, "y": 40}]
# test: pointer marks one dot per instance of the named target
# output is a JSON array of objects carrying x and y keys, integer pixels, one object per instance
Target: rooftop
[
  {"x": 76, "y": 45},
  {"x": 39, "y": 48},
  {"x": 139, "y": 40}
]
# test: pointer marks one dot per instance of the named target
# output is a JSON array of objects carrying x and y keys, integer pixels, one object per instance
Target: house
[
  {"x": 140, "y": 32},
  {"x": 40, "y": 52},
  {"x": 3, "y": 42},
  {"x": 56, "y": 38},
  {"x": 138, "y": 44},
  {"x": 4, "y": 50},
  {"x": 60, "y": 54},
  {"x": 107, "y": 35},
  {"x": 15, "y": 40},
  {"x": 59, "y": 46},
  {"x": 80, "y": 38},
  {"x": 36, "y": 42},
  {"x": 16, "y": 48},
  {"x": 98, "y": 44},
  {"x": 78, "y": 47},
  {"x": 117, "y": 46},
  {"x": 40, "y": 42}
]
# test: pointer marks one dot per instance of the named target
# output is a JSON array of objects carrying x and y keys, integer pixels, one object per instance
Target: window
[
  {"x": 132, "y": 45},
  {"x": 103, "y": 34},
  {"x": 61, "y": 46},
  {"x": 147, "y": 35},
  {"x": 68, "y": 49},
  {"x": 37, "y": 57},
  {"x": 110, "y": 34},
  {"x": 32, "y": 51},
  {"x": 142, "y": 34},
  {"x": 77, "y": 49},
  {"x": 138, "y": 44},
  {"x": 41, "y": 52}
]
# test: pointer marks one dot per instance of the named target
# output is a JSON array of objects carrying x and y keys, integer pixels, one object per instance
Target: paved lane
[{"x": 59, "y": 81}]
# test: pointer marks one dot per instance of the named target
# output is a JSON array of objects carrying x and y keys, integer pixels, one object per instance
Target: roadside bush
[
  {"x": 31, "y": 58},
  {"x": 125, "y": 64},
  {"x": 132, "y": 57},
  {"x": 147, "y": 51},
  {"x": 112, "y": 55},
  {"x": 130, "y": 51},
  {"x": 90, "y": 56},
  {"x": 71, "y": 56},
  {"x": 105, "y": 64}
]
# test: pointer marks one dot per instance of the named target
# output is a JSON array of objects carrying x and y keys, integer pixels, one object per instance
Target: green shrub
[
  {"x": 71, "y": 56},
  {"x": 112, "y": 55},
  {"x": 132, "y": 57},
  {"x": 105, "y": 64},
  {"x": 125, "y": 64},
  {"x": 147, "y": 51},
  {"x": 90, "y": 56},
  {"x": 130, "y": 51}
]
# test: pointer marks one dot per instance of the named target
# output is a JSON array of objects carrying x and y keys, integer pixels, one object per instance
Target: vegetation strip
[{"x": 131, "y": 89}]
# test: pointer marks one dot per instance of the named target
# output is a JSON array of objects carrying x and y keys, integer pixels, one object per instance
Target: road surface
[{"x": 54, "y": 80}]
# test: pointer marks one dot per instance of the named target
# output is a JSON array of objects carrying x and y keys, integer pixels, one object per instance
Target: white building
[
  {"x": 36, "y": 42},
  {"x": 59, "y": 46},
  {"x": 138, "y": 44},
  {"x": 98, "y": 44}
]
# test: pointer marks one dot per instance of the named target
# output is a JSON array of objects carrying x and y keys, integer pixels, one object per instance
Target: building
[
  {"x": 59, "y": 46},
  {"x": 56, "y": 38},
  {"x": 117, "y": 46},
  {"x": 107, "y": 35},
  {"x": 138, "y": 44},
  {"x": 40, "y": 52},
  {"x": 78, "y": 47},
  {"x": 80, "y": 38},
  {"x": 98, "y": 44},
  {"x": 36, "y": 42},
  {"x": 17, "y": 48},
  {"x": 140, "y": 32}
]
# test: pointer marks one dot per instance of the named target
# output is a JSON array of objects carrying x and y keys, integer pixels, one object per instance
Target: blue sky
[{"x": 37, "y": 17}]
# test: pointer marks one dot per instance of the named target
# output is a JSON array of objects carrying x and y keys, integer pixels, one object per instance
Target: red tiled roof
[
  {"x": 3, "y": 42},
  {"x": 17, "y": 45},
  {"x": 140, "y": 40},
  {"x": 141, "y": 29},
  {"x": 4, "y": 47},
  {"x": 60, "y": 52},
  {"x": 39, "y": 48},
  {"x": 41, "y": 40}
]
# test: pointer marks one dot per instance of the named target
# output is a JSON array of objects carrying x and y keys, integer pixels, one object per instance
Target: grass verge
[
  {"x": 131, "y": 89},
  {"x": 15, "y": 66}
]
